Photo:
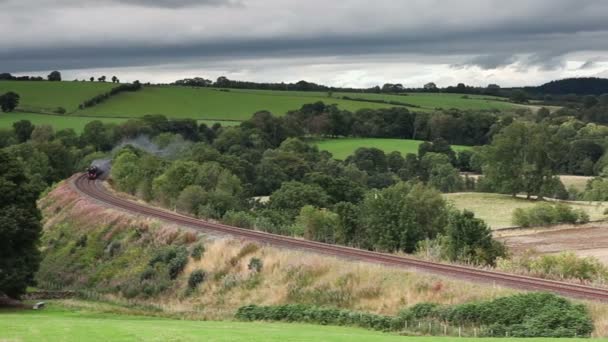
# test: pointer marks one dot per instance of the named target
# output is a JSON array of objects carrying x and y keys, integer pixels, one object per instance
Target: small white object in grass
[{"x": 39, "y": 305}]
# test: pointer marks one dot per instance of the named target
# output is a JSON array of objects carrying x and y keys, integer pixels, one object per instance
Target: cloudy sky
[{"x": 343, "y": 43}]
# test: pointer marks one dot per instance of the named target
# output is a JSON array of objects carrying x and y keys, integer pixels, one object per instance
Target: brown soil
[{"x": 591, "y": 240}]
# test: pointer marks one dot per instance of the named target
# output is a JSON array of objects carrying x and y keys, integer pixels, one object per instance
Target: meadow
[
  {"x": 207, "y": 103},
  {"x": 497, "y": 209},
  {"x": 342, "y": 148},
  {"x": 85, "y": 322},
  {"x": 46, "y": 97}
]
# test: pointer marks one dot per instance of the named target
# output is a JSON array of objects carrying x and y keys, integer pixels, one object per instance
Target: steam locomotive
[{"x": 93, "y": 172}]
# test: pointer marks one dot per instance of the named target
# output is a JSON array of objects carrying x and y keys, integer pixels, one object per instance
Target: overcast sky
[{"x": 353, "y": 43}]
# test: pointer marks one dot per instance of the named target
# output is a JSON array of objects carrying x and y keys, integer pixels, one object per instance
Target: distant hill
[{"x": 579, "y": 86}]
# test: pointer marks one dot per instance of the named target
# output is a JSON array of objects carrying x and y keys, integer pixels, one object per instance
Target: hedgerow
[{"x": 521, "y": 315}]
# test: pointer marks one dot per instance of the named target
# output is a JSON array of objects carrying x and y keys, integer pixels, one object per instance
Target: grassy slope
[
  {"x": 77, "y": 324},
  {"x": 208, "y": 103},
  {"x": 497, "y": 210},
  {"x": 342, "y": 148},
  {"x": 47, "y": 96}
]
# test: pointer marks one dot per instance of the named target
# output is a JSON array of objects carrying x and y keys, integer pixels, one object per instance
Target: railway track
[{"x": 96, "y": 191}]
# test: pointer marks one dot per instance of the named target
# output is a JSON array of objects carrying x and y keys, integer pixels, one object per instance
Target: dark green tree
[
  {"x": 9, "y": 101},
  {"x": 54, "y": 76},
  {"x": 19, "y": 228},
  {"x": 23, "y": 130},
  {"x": 470, "y": 239}
]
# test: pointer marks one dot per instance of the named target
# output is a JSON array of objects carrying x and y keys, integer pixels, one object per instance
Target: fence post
[
  {"x": 459, "y": 331},
  {"x": 445, "y": 329},
  {"x": 475, "y": 332}
]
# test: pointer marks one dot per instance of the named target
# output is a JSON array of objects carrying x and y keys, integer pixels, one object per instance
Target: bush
[
  {"x": 196, "y": 277},
  {"x": 548, "y": 214},
  {"x": 255, "y": 264},
  {"x": 240, "y": 219},
  {"x": 175, "y": 258},
  {"x": 197, "y": 251},
  {"x": 522, "y": 315}
]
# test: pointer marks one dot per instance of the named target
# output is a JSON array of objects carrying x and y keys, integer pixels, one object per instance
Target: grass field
[
  {"x": 208, "y": 103},
  {"x": 342, "y": 148},
  {"x": 47, "y": 96},
  {"x": 497, "y": 210},
  {"x": 58, "y": 323},
  {"x": 77, "y": 123}
]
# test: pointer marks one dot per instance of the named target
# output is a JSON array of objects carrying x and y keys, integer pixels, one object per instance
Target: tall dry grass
[{"x": 287, "y": 276}]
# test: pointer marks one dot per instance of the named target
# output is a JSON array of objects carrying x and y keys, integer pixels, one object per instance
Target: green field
[
  {"x": 46, "y": 96},
  {"x": 497, "y": 210},
  {"x": 342, "y": 148},
  {"x": 76, "y": 123},
  {"x": 206, "y": 103},
  {"x": 56, "y": 323}
]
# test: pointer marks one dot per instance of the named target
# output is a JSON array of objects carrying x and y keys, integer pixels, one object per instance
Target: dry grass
[{"x": 287, "y": 276}]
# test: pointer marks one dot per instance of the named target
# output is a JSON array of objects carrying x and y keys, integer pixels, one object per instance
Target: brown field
[{"x": 587, "y": 240}]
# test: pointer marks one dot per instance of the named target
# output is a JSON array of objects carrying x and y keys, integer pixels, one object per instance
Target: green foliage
[
  {"x": 197, "y": 251},
  {"x": 20, "y": 227},
  {"x": 196, "y": 278},
  {"x": 317, "y": 224},
  {"x": 398, "y": 217},
  {"x": 548, "y": 214},
  {"x": 294, "y": 195},
  {"x": 174, "y": 257},
  {"x": 596, "y": 190},
  {"x": 9, "y": 101},
  {"x": 255, "y": 264},
  {"x": 470, "y": 239},
  {"x": 240, "y": 219},
  {"x": 522, "y": 315}
]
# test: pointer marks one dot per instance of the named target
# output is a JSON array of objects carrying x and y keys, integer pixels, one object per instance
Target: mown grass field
[
  {"x": 58, "y": 323},
  {"x": 46, "y": 96},
  {"x": 76, "y": 123},
  {"x": 342, "y": 148},
  {"x": 497, "y": 209}
]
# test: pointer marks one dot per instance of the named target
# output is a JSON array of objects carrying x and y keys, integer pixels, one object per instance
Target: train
[{"x": 93, "y": 172}]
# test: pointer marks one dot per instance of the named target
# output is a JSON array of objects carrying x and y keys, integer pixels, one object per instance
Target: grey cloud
[
  {"x": 588, "y": 65},
  {"x": 176, "y": 3}
]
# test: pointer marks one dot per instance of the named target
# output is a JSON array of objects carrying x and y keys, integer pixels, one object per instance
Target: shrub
[
  {"x": 566, "y": 265},
  {"x": 255, "y": 265},
  {"x": 240, "y": 219},
  {"x": 175, "y": 258},
  {"x": 197, "y": 251},
  {"x": 548, "y": 214},
  {"x": 196, "y": 277}
]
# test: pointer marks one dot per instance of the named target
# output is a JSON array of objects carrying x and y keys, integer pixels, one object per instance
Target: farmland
[
  {"x": 342, "y": 148},
  {"x": 79, "y": 321},
  {"x": 42, "y": 96},
  {"x": 497, "y": 210}
]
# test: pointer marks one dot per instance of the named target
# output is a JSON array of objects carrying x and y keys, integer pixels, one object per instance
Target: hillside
[
  {"x": 43, "y": 96},
  {"x": 579, "y": 86},
  {"x": 118, "y": 248}
]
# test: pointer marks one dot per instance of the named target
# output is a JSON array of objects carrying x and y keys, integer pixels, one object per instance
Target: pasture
[
  {"x": 209, "y": 104},
  {"x": 58, "y": 323},
  {"x": 497, "y": 209},
  {"x": 342, "y": 148},
  {"x": 46, "y": 97}
]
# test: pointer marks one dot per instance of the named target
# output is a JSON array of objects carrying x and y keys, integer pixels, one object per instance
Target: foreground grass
[
  {"x": 497, "y": 210},
  {"x": 342, "y": 148},
  {"x": 76, "y": 123},
  {"x": 59, "y": 323},
  {"x": 46, "y": 96}
]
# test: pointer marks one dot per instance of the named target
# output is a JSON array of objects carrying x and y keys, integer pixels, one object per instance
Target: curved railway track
[{"x": 96, "y": 191}]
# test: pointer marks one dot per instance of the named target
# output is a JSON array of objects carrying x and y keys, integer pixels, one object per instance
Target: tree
[
  {"x": 519, "y": 96},
  {"x": 54, "y": 76},
  {"x": 23, "y": 130},
  {"x": 294, "y": 195},
  {"x": 102, "y": 79},
  {"x": 115, "y": 79},
  {"x": 430, "y": 86},
  {"x": 317, "y": 224},
  {"x": 92, "y": 79},
  {"x": 470, "y": 239},
  {"x": 9, "y": 101},
  {"x": 19, "y": 228}
]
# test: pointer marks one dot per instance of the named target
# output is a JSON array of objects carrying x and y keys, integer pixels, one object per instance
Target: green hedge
[
  {"x": 523, "y": 315},
  {"x": 546, "y": 214}
]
